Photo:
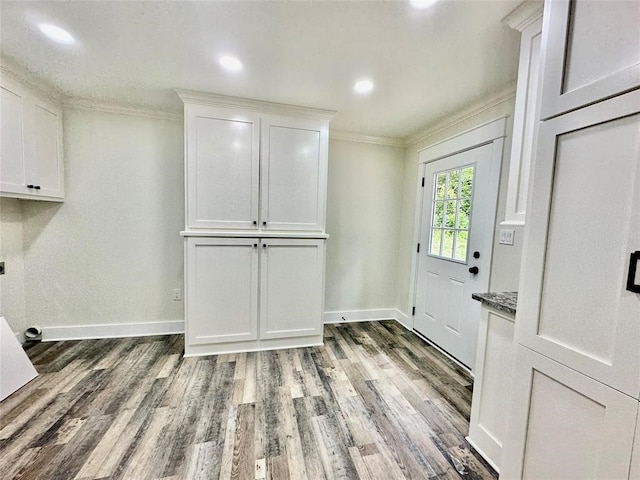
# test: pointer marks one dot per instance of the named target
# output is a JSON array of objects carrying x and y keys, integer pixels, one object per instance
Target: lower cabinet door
[
  {"x": 492, "y": 384},
  {"x": 291, "y": 287},
  {"x": 635, "y": 456},
  {"x": 221, "y": 290},
  {"x": 565, "y": 425}
]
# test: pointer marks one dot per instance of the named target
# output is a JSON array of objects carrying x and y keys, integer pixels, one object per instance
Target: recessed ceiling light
[
  {"x": 422, "y": 3},
  {"x": 56, "y": 34},
  {"x": 230, "y": 63},
  {"x": 363, "y": 86}
]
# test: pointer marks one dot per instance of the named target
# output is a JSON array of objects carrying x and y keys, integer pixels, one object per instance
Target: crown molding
[
  {"x": 524, "y": 14},
  {"x": 461, "y": 116},
  {"x": 11, "y": 69},
  {"x": 203, "y": 98},
  {"x": 361, "y": 138},
  {"x": 83, "y": 103}
]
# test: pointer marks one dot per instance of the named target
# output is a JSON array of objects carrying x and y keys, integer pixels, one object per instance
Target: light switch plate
[{"x": 506, "y": 236}]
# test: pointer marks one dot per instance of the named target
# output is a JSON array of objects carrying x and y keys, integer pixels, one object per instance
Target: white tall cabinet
[
  {"x": 256, "y": 175},
  {"x": 577, "y": 376}
]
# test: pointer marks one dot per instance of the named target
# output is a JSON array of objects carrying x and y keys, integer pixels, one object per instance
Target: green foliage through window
[{"x": 451, "y": 214}]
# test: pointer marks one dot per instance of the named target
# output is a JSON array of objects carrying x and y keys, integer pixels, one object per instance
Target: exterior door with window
[{"x": 456, "y": 237}]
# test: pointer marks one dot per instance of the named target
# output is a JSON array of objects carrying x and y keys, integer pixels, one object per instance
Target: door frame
[{"x": 492, "y": 132}]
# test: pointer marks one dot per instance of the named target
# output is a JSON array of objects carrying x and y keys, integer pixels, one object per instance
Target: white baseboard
[
  {"x": 403, "y": 319},
  {"x": 347, "y": 316},
  {"x": 172, "y": 327},
  {"x": 120, "y": 330}
]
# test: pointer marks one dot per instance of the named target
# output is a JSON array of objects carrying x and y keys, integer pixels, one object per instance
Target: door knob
[{"x": 474, "y": 270}]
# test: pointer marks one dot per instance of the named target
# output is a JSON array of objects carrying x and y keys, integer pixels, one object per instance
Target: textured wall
[
  {"x": 12, "y": 299},
  {"x": 505, "y": 265},
  {"x": 111, "y": 253},
  {"x": 363, "y": 219}
]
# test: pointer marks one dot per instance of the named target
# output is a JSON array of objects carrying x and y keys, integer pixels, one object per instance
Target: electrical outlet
[
  {"x": 506, "y": 236},
  {"x": 177, "y": 294}
]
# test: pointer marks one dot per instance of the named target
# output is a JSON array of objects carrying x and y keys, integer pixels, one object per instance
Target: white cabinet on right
[
  {"x": 585, "y": 221},
  {"x": 592, "y": 52},
  {"x": 569, "y": 425},
  {"x": 575, "y": 400},
  {"x": 635, "y": 455}
]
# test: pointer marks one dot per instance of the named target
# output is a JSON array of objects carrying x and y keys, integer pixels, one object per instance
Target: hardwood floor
[{"x": 376, "y": 402}]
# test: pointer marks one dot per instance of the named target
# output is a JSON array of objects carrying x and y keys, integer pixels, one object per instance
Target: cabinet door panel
[
  {"x": 221, "y": 290},
  {"x": 595, "y": 54},
  {"x": 47, "y": 150},
  {"x": 291, "y": 288},
  {"x": 12, "y": 170},
  {"x": 494, "y": 365},
  {"x": 584, "y": 222},
  {"x": 222, "y": 169},
  {"x": 635, "y": 456},
  {"x": 294, "y": 163},
  {"x": 566, "y": 425}
]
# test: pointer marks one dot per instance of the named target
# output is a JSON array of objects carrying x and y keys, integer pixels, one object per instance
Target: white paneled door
[
  {"x": 565, "y": 424},
  {"x": 454, "y": 253},
  {"x": 291, "y": 286},
  {"x": 584, "y": 225},
  {"x": 594, "y": 53},
  {"x": 222, "y": 168},
  {"x": 293, "y": 177},
  {"x": 222, "y": 289}
]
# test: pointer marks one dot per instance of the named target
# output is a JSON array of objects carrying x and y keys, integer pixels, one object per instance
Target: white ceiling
[{"x": 424, "y": 63}]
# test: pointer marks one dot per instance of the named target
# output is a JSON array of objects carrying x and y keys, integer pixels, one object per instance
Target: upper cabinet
[
  {"x": 222, "y": 152},
  {"x": 595, "y": 54},
  {"x": 254, "y": 166},
  {"x": 31, "y": 161},
  {"x": 293, "y": 173}
]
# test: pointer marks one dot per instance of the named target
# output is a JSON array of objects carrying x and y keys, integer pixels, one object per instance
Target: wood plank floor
[{"x": 376, "y": 402}]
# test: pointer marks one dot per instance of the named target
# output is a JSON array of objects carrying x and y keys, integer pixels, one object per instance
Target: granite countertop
[{"x": 505, "y": 301}]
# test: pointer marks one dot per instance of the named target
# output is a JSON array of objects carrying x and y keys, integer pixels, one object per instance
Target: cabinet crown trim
[
  {"x": 524, "y": 14},
  {"x": 203, "y": 98}
]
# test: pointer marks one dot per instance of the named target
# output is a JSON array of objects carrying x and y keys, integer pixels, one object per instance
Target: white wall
[
  {"x": 111, "y": 253},
  {"x": 505, "y": 265},
  {"x": 12, "y": 298},
  {"x": 363, "y": 219}
]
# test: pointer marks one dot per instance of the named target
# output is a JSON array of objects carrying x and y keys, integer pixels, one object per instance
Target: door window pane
[
  {"x": 461, "y": 245},
  {"x": 447, "y": 244},
  {"x": 452, "y": 190},
  {"x": 464, "y": 211},
  {"x": 438, "y": 214},
  {"x": 452, "y": 197},
  {"x": 441, "y": 180},
  {"x": 436, "y": 237},
  {"x": 450, "y": 212}
]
